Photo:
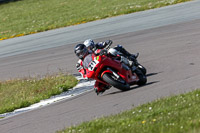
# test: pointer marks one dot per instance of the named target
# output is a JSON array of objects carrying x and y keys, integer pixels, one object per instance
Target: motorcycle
[{"x": 112, "y": 71}]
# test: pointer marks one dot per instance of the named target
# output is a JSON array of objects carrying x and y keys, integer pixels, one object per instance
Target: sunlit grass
[
  {"x": 20, "y": 93},
  {"x": 31, "y": 16},
  {"x": 177, "y": 114}
]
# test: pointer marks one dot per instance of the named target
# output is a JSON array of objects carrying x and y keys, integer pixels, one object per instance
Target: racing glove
[{"x": 78, "y": 66}]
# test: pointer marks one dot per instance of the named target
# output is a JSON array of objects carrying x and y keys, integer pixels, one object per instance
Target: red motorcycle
[{"x": 112, "y": 71}]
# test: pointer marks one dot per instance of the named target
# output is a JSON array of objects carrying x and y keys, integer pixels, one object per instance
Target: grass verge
[
  {"x": 21, "y": 93},
  {"x": 177, "y": 114},
  {"x": 24, "y": 17}
]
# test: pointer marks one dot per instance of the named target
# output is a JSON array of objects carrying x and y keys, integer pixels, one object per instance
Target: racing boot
[
  {"x": 122, "y": 50},
  {"x": 100, "y": 88}
]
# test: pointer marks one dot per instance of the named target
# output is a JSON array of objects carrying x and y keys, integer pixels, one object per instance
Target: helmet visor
[{"x": 81, "y": 53}]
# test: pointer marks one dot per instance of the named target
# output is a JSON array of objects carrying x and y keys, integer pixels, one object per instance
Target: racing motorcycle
[{"x": 109, "y": 70}]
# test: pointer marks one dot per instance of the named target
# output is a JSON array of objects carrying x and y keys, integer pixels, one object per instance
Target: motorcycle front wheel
[{"x": 117, "y": 83}]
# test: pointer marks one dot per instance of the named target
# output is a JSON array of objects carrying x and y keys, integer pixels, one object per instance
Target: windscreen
[{"x": 87, "y": 60}]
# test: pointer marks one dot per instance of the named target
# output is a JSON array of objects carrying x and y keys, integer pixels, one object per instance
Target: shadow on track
[
  {"x": 132, "y": 88},
  {"x": 152, "y": 74},
  {"x": 136, "y": 87}
]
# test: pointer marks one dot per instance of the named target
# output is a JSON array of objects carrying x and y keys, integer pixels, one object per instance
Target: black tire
[
  {"x": 109, "y": 78},
  {"x": 143, "y": 69},
  {"x": 141, "y": 76}
]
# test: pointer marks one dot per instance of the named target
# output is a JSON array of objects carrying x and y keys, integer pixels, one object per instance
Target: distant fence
[{"x": 6, "y": 1}]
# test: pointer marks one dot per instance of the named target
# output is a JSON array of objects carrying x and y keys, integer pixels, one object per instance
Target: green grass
[
  {"x": 172, "y": 115},
  {"x": 177, "y": 114},
  {"x": 31, "y": 16},
  {"x": 20, "y": 93}
]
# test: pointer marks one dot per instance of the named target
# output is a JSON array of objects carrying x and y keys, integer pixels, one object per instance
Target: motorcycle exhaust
[{"x": 114, "y": 73}]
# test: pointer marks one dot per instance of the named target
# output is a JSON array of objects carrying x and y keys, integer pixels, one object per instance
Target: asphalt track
[{"x": 169, "y": 52}]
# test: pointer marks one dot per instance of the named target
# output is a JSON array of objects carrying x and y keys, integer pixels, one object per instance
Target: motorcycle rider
[
  {"x": 88, "y": 47},
  {"x": 89, "y": 43},
  {"x": 82, "y": 52},
  {"x": 91, "y": 47}
]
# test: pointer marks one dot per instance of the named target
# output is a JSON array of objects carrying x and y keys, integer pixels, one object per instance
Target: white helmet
[{"x": 89, "y": 43}]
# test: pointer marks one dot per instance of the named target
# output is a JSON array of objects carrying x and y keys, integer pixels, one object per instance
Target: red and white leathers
[{"x": 81, "y": 70}]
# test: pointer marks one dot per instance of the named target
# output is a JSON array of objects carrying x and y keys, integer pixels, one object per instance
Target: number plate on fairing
[{"x": 92, "y": 65}]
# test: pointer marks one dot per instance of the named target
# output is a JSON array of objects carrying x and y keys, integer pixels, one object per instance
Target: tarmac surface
[{"x": 170, "y": 52}]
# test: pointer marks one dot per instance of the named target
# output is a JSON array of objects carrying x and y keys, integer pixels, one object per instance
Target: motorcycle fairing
[{"x": 99, "y": 65}]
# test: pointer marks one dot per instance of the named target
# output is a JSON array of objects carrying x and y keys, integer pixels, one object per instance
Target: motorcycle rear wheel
[
  {"x": 109, "y": 78},
  {"x": 142, "y": 68},
  {"x": 141, "y": 76}
]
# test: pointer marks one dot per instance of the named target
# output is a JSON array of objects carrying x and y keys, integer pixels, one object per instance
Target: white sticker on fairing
[{"x": 92, "y": 65}]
